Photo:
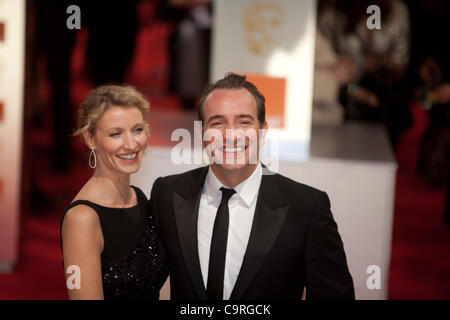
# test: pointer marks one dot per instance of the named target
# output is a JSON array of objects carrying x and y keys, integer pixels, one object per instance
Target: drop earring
[{"x": 95, "y": 159}]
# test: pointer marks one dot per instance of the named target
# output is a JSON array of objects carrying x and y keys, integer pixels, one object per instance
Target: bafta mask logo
[{"x": 261, "y": 23}]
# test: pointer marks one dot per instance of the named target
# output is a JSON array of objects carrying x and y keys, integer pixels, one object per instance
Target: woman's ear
[{"x": 89, "y": 140}]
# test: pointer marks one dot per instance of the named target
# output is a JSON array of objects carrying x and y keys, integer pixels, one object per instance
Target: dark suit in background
[{"x": 112, "y": 29}]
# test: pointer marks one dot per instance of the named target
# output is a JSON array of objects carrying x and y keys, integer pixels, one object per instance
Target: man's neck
[{"x": 232, "y": 178}]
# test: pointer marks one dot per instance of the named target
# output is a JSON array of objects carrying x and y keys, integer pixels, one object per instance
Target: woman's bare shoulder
[
  {"x": 81, "y": 216},
  {"x": 81, "y": 226}
]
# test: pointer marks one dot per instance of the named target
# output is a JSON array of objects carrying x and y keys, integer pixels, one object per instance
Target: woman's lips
[{"x": 128, "y": 157}]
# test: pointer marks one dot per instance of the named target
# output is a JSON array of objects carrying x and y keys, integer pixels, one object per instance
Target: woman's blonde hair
[{"x": 101, "y": 98}]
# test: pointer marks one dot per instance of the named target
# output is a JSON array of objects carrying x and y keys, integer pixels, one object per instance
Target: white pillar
[{"x": 12, "y": 52}]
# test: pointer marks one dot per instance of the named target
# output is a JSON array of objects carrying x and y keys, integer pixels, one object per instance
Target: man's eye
[{"x": 216, "y": 123}]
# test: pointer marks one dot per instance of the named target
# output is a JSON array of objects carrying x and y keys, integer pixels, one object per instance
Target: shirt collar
[{"x": 247, "y": 190}]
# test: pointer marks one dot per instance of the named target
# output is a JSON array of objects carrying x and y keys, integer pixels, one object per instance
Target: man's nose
[{"x": 234, "y": 135}]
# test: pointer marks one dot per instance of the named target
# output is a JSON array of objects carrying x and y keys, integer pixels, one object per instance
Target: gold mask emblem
[{"x": 261, "y": 22}]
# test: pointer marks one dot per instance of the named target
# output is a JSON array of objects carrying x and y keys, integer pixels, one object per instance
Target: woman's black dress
[{"x": 132, "y": 260}]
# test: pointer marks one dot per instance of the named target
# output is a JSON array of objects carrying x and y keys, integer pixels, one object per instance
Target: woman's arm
[{"x": 82, "y": 247}]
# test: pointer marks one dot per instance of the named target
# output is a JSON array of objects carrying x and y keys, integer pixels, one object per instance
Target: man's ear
[
  {"x": 263, "y": 132},
  {"x": 89, "y": 140}
]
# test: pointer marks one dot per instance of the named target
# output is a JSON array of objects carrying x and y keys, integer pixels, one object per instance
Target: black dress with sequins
[{"x": 132, "y": 260}]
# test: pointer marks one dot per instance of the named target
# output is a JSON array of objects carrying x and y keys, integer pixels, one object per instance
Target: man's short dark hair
[{"x": 235, "y": 81}]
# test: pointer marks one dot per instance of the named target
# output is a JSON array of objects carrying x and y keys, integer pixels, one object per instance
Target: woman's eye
[
  {"x": 139, "y": 129},
  {"x": 114, "y": 134}
]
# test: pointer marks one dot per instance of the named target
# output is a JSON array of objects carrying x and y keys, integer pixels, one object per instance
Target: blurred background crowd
[
  {"x": 377, "y": 76},
  {"x": 397, "y": 75}
]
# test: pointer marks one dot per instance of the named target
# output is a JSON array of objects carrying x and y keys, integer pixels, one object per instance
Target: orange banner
[{"x": 274, "y": 90}]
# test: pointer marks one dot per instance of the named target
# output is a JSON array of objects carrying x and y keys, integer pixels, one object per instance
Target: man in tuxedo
[{"x": 233, "y": 230}]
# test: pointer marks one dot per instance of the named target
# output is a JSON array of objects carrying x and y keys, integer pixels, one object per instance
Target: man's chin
[{"x": 231, "y": 166}]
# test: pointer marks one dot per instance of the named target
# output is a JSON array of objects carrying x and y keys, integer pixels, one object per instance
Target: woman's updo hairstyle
[{"x": 100, "y": 99}]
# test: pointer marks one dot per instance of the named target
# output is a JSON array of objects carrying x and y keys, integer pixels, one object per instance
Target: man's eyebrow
[
  {"x": 240, "y": 116},
  {"x": 215, "y": 117}
]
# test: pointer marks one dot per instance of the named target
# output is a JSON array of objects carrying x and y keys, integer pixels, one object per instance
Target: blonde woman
[{"x": 109, "y": 241}]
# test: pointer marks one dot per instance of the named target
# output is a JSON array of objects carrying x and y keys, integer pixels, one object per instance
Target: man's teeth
[
  {"x": 129, "y": 156},
  {"x": 233, "y": 150}
]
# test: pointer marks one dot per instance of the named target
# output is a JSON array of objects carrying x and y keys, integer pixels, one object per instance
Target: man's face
[{"x": 231, "y": 129}]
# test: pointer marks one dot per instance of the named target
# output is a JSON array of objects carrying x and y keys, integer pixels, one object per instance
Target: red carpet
[
  {"x": 420, "y": 259},
  {"x": 39, "y": 273}
]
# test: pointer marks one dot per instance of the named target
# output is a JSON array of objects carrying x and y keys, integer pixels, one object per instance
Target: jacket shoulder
[
  {"x": 180, "y": 177},
  {"x": 185, "y": 183},
  {"x": 293, "y": 187}
]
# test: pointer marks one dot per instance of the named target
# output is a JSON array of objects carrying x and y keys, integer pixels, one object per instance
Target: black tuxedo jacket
[{"x": 294, "y": 241}]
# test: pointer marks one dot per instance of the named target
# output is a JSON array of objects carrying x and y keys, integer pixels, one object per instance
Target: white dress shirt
[{"x": 242, "y": 209}]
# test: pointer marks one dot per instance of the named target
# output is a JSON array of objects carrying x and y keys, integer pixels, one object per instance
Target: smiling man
[
  {"x": 232, "y": 124},
  {"x": 233, "y": 230}
]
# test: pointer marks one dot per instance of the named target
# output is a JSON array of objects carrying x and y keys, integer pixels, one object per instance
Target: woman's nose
[{"x": 130, "y": 142}]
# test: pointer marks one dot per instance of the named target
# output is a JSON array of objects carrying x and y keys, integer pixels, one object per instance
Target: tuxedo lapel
[
  {"x": 186, "y": 202},
  {"x": 270, "y": 212}
]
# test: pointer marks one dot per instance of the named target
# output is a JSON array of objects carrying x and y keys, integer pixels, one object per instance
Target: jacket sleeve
[
  {"x": 327, "y": 274},
  {"x": 161, "y": 271},
  {"x": 152, "y": 202}
]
